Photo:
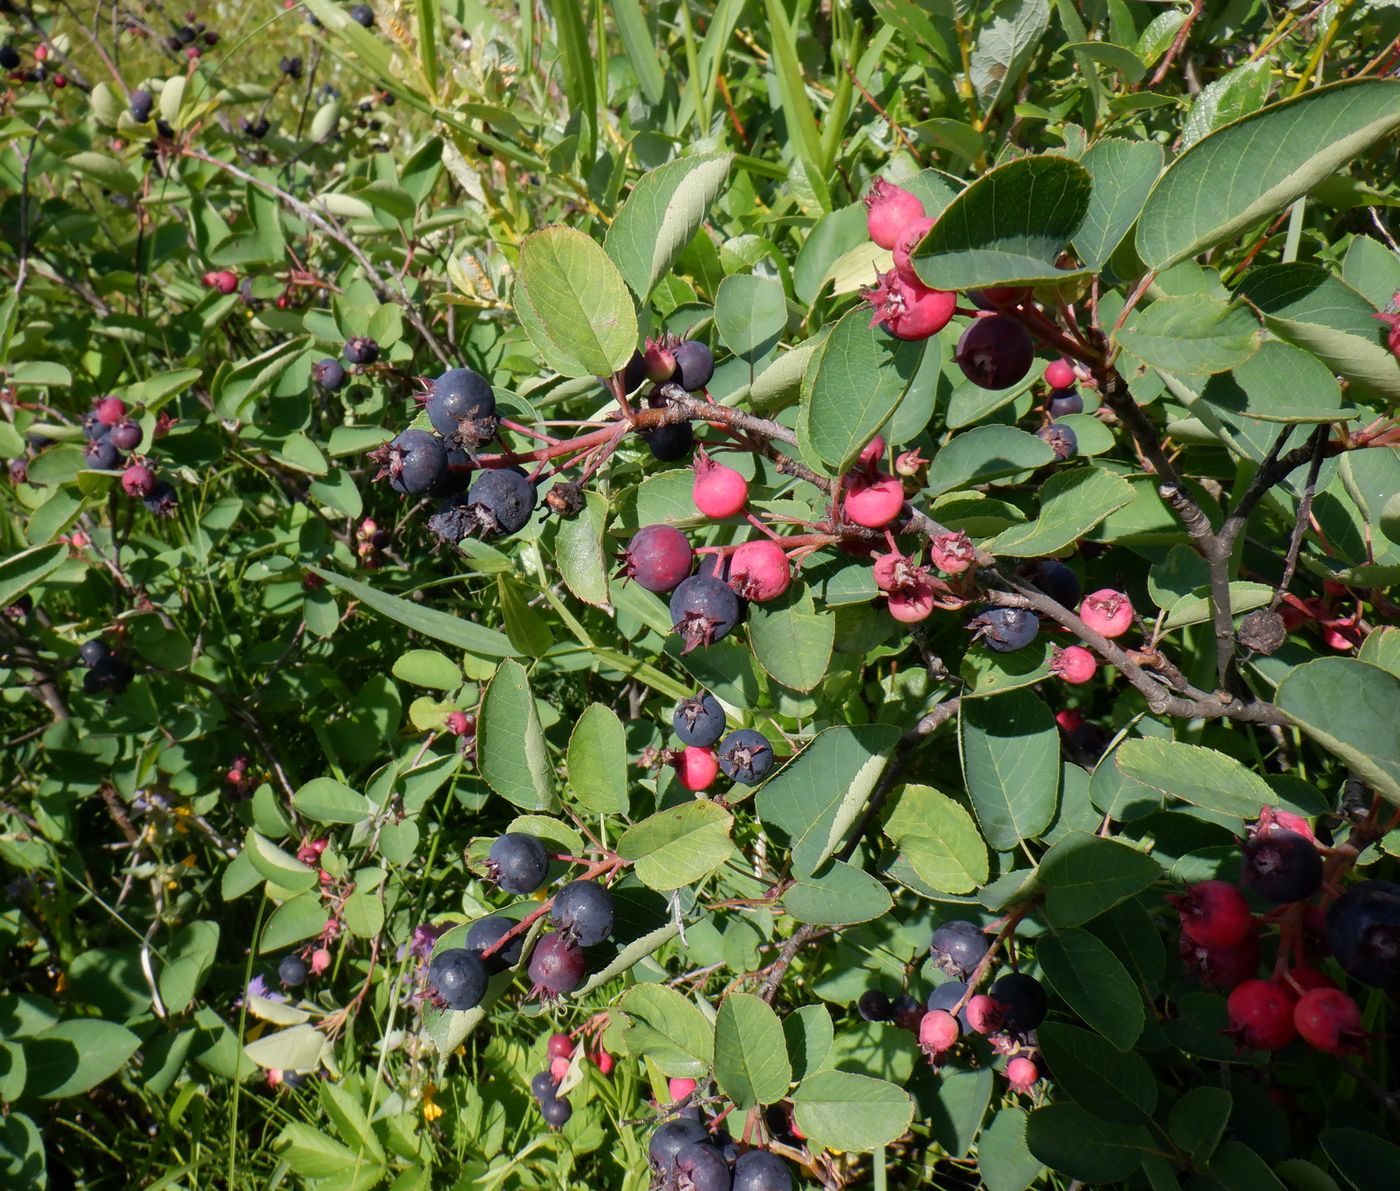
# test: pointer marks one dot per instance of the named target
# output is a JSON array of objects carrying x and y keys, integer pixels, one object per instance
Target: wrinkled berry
[
  {"x": 957, "y": 947},
  {"x": 889, "y": 209},
  {"x": 658, "y": 557},
  {"x": 1213, "y": 913},
  {"x": 1022, "y": 1001},
  {"x": 745, "y": 756},
  {"x": 556, "y": 965},
  {"x": 517, "y": 862},
  {"x": 759, "y": 570},
  {"x": 1060, "y": 439},
  {"x": 484, "y": 932},
  {"x": 458, "y": 977},
  {"x": 1005, "y": 629},
  {"x": 995, "y": 352},
  {"x": 1281, "y": 866},
  {"x": 292, "y": 971},
  {"x": 1363, "y": 931},
  {"x": 874, "y": 1005},
  {"x": 703, "y": 611},
  {"x": 583, "y": 911},
  {"x": 699, "y": 720},
  {"x": 1261, "y": 1015}
]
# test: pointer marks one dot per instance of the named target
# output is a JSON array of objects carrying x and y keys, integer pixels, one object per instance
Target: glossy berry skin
[
  {"x": 984, "y": 1015},
  {"x": 484, "y": 932},
  {"x": 1075, "y": 665},
  {"x": 1261, "y": 1015},
  {"x": 101, "y": 454},
  {"x": 1064, "y": 401},
  {"x": 1222, "y": 967},
  {"x": 518, "y": 862},
  {"x": 745, "y": 756},
  {"x": 995, "y": 352},
  {"x": 560, "y": 1046},
  {"x": 583, "y": 911},
  {"x": 671, "y": 442},
  {"x": 459, "y": 395},
  {"x": 758, "y": 1170},
  {"x": 362, "y": 14},
  {"x": 678, "y": 1088},
  {"x": 125, "y": 436},
  {"x": 1107, "y": 611},
  {"x": 874, "y": 1005},
  {"x": 542, "y": 1086},
  {"x": 224, "y": 281},
  {"x": 939, "y": 1031},
  {"x": 501, "y": 500},
  {"x": 360, "y": 350},
  {"x": 459, "y": 977},
  {"x": 1363, "y": 931},
  {"x": 1213, "y": 914},
  {"x": 1056, "y": 580},
  {"x": 703, "y": 611},
  {"x": 1022, "y": 1074},
  {"x": 1060, "y": 439},
  {"x": 1329, "y": 1020},
  {"x": 556, "y": 965},
  {"x": 292, "y": 971},
  {"x": 1022, "y": 1000},
  {"x": 93, "y": 651},
  {"x": 696, "y": 768},
  {"x": 702, "y": 1167},
  {"x": 909, "y": 310},
  {"x": 718, "y": 491},
  {"x": 695, "y": 365},
  {"x": 556, "y": 1112},
  {"x": 1059, "y": 374},
  {"x": 699, "y": 720},
  {"x": 558, "y": 1068},
  {"x": 904, "y": 246},
  {"x": 1006, "y": 629},
  {"x": 658, "y": 557},
  {"x": 1281, "y": 866},
  {"x": 415, "y": 463},
  {"x": 873, "y": 502},
  {"x": 668, "y": 1141},
  {"x": 906, "y": 1012},
  {"x": 329, "y": 374},
  {"x": 957, "y": 947},
  {"x": 759, "y": 570},
  {"x": 889, "y": 209}
]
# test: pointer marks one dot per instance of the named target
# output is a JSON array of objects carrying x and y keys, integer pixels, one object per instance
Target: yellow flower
[{"x": 431, "y": 1108}]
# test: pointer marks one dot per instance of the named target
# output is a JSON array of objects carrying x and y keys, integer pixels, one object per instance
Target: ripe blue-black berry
[
  {"x": 9, "y": 57},
  {"x": 745, "y": 756},
  {"x": 414, "y": 462},
  {"x": 141, "y": 104},
  {"x": 556, "y": 965},
  {"x": 458, "y": 401},
  {"x": 458, "y": 977},
  {"x": 162, "y": 500},
  {"x": 1281, "y": 866},
  {"x": 945, "y": 996},
  {"x": 758, "y": 1170},
  {"x": 360, "y": 349},
  {"x": 111, "y": 675},
  {"x": 906, "y": 1012},
  {"x": 668, "y": 1141},
  {"x": 634, "y": 373},
  {"x": 1060, "y": 439},
  {"x": 1065, "y": 401},
  {"x": 362, "y": 14},
  {"x": 93, "y": 651},
  {"x": 291, "y": 67},
  {"x": 94, "y": 427},
  {"x": 1022, "y": 1000},
  {"x": 699, "y": 720},
  {"x": 658, "y": 557},
  {"x": 958, "y": 947},
  {"x": 703, "y": 610},
  {"x": 501, "y": 500},
  {"x": 517, "y": 862},
  {"x": 702, "y": 1167},
  {"x": 583, "y": 911},
  {"x": 695, "y": 365},
  {"x": 101, "y": 454},
  {"x": 484, "y": 932},
  {"x": 257, "y": 129},
  {"x": 292, "y": 971},
  {"x": 995, "y": 352},
  {"x": 329, "y": 374},
  {"x": 671, "y": 442},
  {"x": 556, "y": 1111},
  {"x": 1005, "y": 629},
  {"x": 1363, "y": 931},
  {"x": 542, "y": 1086},
  {"x": 1056, "y": 580},
  {"x": 874, "y": 1005}
]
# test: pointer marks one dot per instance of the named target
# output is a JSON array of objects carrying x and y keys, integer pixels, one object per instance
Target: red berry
[
  {"x": 60, "y": 81},
  {"x": 1261, "y": 1015},
  {"x": 718, "y": 491},
  {"x": 759, "y": 571},
  {"x": 110, "y": 410},
  {"x": 1213, "y": 913},
  {"x": 888, "y": 210},
  {"x": 984, "y": 1015},
  {"x": 1000, "y": 297},
  {"x": 41, "y": 53},
  {"x": 560, "y": 1046},
  {"x": 679, "y": 1088},
  {"x": 138, "y": 480},
  {"x": 558, "y": 1067},
  {"x": 459, "y": 723},
  {"x": 1074, "y": 664},
  {"x": 1022, "y": 1074},
  {"x": 1328, "y": 1019},
  {"x": 871, "y": 454},
  {"x": 909, "y": 309},
  {"x": 938, "y": 1031},
  {"x": 875, "y": 502},
  {"x": 895, "y": 571},
  {"x": 658, "y": 361},
  {"x": 1069, "y": 719},
  {"x": 910, "y": 605},
  {"x": 603, "y": 1061},
  {"x": 658, "y": 557},
  {"x": 1107, "y": 611},
  {"x": 909, "y": 240},
  {"x": 1222, "y": 967},
  {"x": 696, "y": 768},
  {"x": 953, "y": 553},
  {"x": 223, "y": 281},
  {"x": 1059, "y": 374}
]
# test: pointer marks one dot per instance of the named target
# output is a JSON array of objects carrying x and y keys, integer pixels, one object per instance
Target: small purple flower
[
  {"x": 425, "y": 936},
  {"x": 258, "y": 987}
]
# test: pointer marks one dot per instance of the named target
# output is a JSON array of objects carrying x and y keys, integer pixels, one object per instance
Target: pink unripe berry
[
  {"x": 1022, "y": 1073},
  {"x": 1074, "y": 664},
  {"x": 888, "y": 210},
  {"x": 938, "y": 1031},
  {"x": 909, "y": 309},
  {"x": 1107, "y": 611},
  {"x": 873, "y": 502},
  {"x": 909, "y": 463},
  {"x": 558, "y": 1067},
  {"x": 1271, "y": 817},
  {"x": 909, "y": 605},
  {"x": 679, "y": 1088},
  {"x": 1059, "y": 374},
  {"x": 984, "y": 1014},
  {"x": 696, "y": 768},
  {"x": 560, "y": 1046},
  {"x": 952, "y": 553},
  {"x": 1328, "y": 1019},
  {"x": 909, "y": 240},
  {"x": 718, "y": 491},
  {"x": 659, "y": 362},
  {"x": 138, "y": 480},
  {"x": 895, "y": 571},
  {"x": 759, "y": 571},
  {"x": 459, "y": 723},
  {"x": 871, "y": 454},
  {"x": 320, "y": 960},
  {"x": 603, "y": 1061},
  {"x": 222, "y": 280},
  {"x": 110, "y": 410}
]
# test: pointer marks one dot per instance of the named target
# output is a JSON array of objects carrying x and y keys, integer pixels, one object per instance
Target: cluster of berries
[
  {"x": 685, "y": 364},
  {"x": 555, "y": 1108},
  {"x": 12, "y": 61},
  {"x": 1006, "y": 1015},
  {"x": 107, "y": 674},
  {"x": 110, "y": 432},
  {"x": 686, "y": 1155},
  {"x": 190, "y": 39},
  {"x": 744, "y": 755},
  {"x": 1221, "y": 941},
  {"x": 1064, "y": 399}
]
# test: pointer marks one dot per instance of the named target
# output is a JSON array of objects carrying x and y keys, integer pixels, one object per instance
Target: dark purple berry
[
  {"x": 517, "y": 862},
  {"x": 995, "y": 352},
  {"x": 454, "y": 519},
  {"x": 745, "y": 756},
  {"x": 906, "y": 1012},
  {"x": 501, "y": 501},
  {"x": 141, "y": 103},
  {"x": 668, "y": 1141},
  {"x": 9, "y": 57},
  {"x": 634, "y": 374},
  {"x": 125, "y": 436},
  {"x": 414, "y": 462},
  {"x": 162, "y": 501},
  {"x": 94, "y": 651},
  {"x": 1056, "y": 580},
  {"x": 1005, "y": 629},
  {"x": 1021, "y": 999},
  {"x": 1065, "y": 401},
  {"x": 874, "y": 1005},
  {"x": 703, "y": 611},
  {"x": 1281, "y": 866},
  {"x": 112, "y": 675},
  {"x": 556, "y": 965},
  {"x": 185, "y": 34},
  {"x": 658, "y": 557},
  {"x": 695, "y": 365},
  {"x": 329, "y": 374},
  {"x": 257, "y": 129},
  {"x": 291, "y": 67},
  {"x": 701, "y": 1167},
  {"x": 484, "y": 932},
  {"x": 462, "y": 407},
  {"x": 957, "y": 948},
  {"x": 101, "y": 454},
  {"x": 292, "y": 971},
  {"x": 699, "y": 720},
  {"x": 1363, "y": 932},
  {"x": 556, "y": 1112},
  {"x": 671, "y": 442},
  {"x": 758, "y": 1170},
  {"x": 583, "y": 912},
  {"x": 1060, "y": 439},
  {"x": 362, "y": 14},
  {"x": 542, "y": 1087},
  {"x": 458, "y": 977},
  {"x": 360, "y": 349},
  {"x": 95, "y": 428}
]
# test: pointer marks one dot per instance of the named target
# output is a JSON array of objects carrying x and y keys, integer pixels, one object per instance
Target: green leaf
[
  {"x": 668, "y": 1030},
  {"x": 640, "y": 45},
  {"x": 939, "y": 840},
  {"x": 23, "y": 570},
  {"x": 662, "y": 215},
  {"x": 298, "y": 918},
  {"x": 1004, "y": 1161},
  {"x": 1085, "y": 875},
  {"x": 1192, "y": 334},
  {"x": 1200, "y": 776},
  {"x": 751, "y": 1063},
  {"x": 1197, "y": 609},
  {"x": 840, "y": 896},
  {"x": 40, "y": 374},
  {"x": 328, "y": 801},
  {"x": 809, "y": 1035},
  {"x": 750, "y": 314},
  {"x": 72, "y": 1057},
  {"x": 1197, "y": 1121},
  {"x": 107, "y": 171},
  {"x": 1007, "y": 38},
  {"x": 1260, "y": 164},
  {"x": 1279, "y": 383},
  {"x": 597, "y": 761},
  {"x": 853, "y": 384},
  {"x": 1233, "y": 95},
  {"x": 1008, "y": 227},
  {"x": 1071, "y": 504},
  {"x": 281, "y": 868},
  {"x": 431, "y": 623},
  {"x": 1080, "y": 1146},
  {"x": 574, "y": 304},
  {"x": 190, "y": 955},
  {"x": 1093, "y": 982},
  {"x": 1011, "y": 762},
  {"x": 237, "y": 386},
  {"x": 819, "y": 794},
  {"x": 1112, "y": 1085},
  {"x": 1366, "y": 1161},
  {"x": 679, "y": 846},
  {"x": 985, "y": 453},
  {"x": 1352, "y": 709},
  {"x": 313, "y": 1155},
  {"x": 790, "y": 639},
  {"x": 839, "y": 1110},
  {"x": 801, "y": 120},
  {"x": 1123, "y": 173},
  {"x": 527, "y": 630},
  {"x": 511, "y": 751},
  {"x": 429, "y": 668},
  {"x": 297, "y": 1048}
]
